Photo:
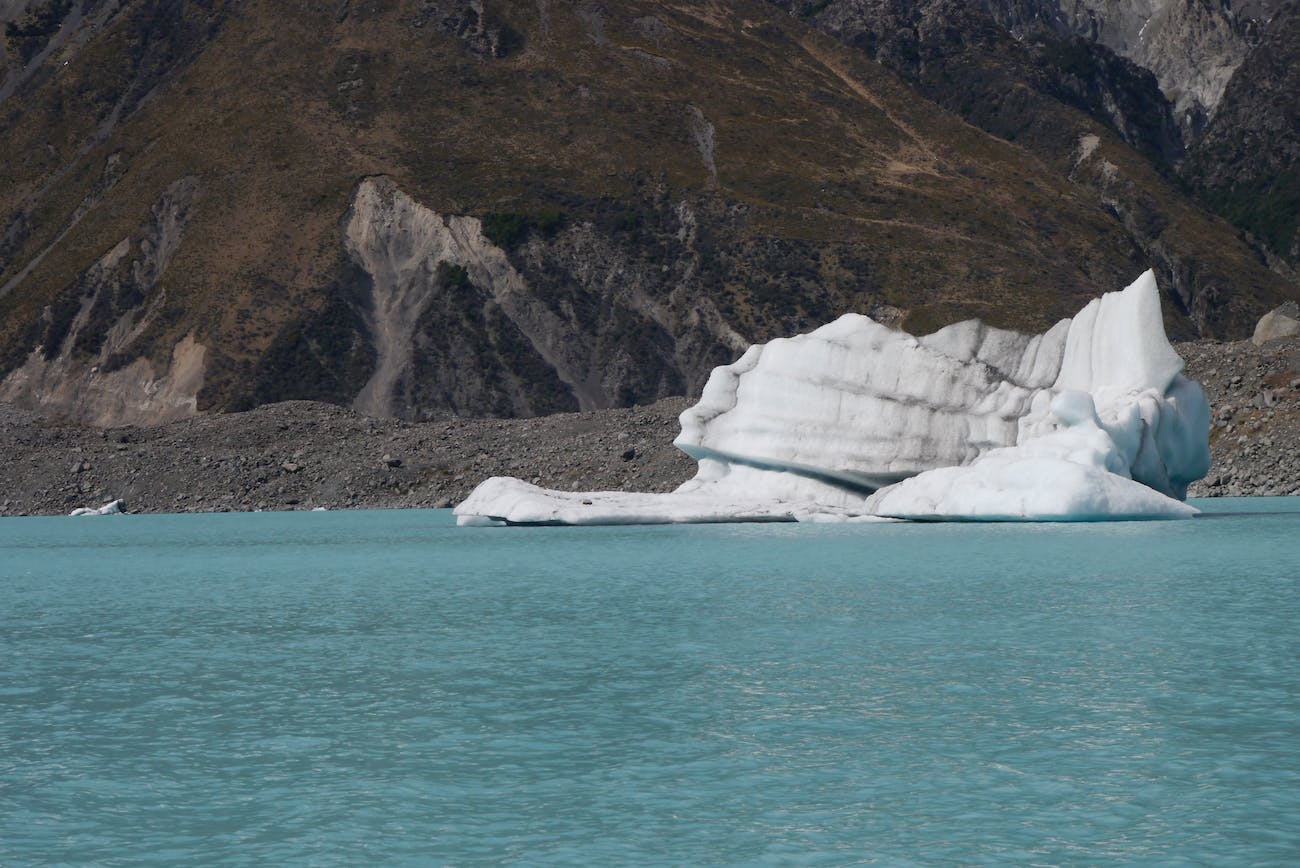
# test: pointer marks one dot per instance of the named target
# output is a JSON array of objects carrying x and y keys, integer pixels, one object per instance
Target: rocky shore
[
  {"x": 1255, "y": 416},
  {"x": 303, "y": 455}
]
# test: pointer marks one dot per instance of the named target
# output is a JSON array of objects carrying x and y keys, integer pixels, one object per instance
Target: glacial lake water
[{"x": 382, "y": 687}]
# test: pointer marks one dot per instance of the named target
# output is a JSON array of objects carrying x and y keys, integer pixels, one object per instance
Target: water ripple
[{"x": 381, "y": 687}]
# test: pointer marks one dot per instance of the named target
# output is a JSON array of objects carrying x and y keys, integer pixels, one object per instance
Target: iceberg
[
  {"x": 1091, "y": 420},
  {"x": 113, "y": 507}
]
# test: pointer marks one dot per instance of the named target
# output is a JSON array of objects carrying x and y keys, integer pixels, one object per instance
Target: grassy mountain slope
[
  {"x": 666, "y": 180},
  {"x": 1067, "y": 101}
]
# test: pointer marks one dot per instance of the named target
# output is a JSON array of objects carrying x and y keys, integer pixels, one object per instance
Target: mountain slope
[
  {"x": 1004, "y": 68},
  {"x": 1247, "y": 165},
  {"x": 427, "y": 209},
  {"x": 1193, "y": 49}
]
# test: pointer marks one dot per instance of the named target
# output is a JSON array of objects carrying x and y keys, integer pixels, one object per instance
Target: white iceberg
[
  {"x": 113, "y": 507},
  {"x": 1091, "y": 420}
]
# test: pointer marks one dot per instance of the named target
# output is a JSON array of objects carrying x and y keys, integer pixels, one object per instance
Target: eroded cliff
[{"x": 86, "y": 363}]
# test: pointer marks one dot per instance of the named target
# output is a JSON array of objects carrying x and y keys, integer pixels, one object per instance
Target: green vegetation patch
[
  {"x": 1267, "y": 206},
  {"x": 506, "y": 229},
  {"x": 452, "y": 276}
]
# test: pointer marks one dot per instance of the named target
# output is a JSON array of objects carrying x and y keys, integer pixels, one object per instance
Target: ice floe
[
  {"x": 1091, "y": 420},
  {"x": 113, "y": 507}
]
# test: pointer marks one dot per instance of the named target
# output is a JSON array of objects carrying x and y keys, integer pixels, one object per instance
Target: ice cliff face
[
  {"x": 1092, "y": 419},
  {"x": 872, "y": 405},
  {"x": 856, "y": 405}
]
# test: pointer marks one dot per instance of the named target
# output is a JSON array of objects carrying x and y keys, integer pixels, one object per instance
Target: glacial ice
[
  {"x": 519, "y": 502},
  {"x": 1091, "y": 420},
  {"x": 1077, "y": 473},
  {"x": 113, "y": 507}
]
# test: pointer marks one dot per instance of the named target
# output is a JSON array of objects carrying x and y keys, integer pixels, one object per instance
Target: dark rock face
[
  {"x": 431, "y": 319},
  {"x": 1229, "y": 72},
  {"x": 1247, "y": 164},
  {"x": 324, "y": 354},
  {"x": 1192, "y": 49},
  {"x": 972, "y": 57},
  {"x": 484, "y": 33}
]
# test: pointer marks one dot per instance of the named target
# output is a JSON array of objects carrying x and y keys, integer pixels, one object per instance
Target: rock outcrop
[
  {"x": 1278, "y": 324},
  {"x": 1193, "y": 48},
  {"x": 1247, "y": 164},
  {"x": 458, "y": 329},
  {"x": 423, "y": 269},
  {"x": 86, "y": 363}
]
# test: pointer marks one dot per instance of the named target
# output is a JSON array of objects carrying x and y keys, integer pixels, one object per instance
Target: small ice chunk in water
[{"x": 113, "y": 507}]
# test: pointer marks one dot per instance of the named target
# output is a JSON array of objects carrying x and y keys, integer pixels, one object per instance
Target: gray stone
[{"x": 1279, "y": 323}]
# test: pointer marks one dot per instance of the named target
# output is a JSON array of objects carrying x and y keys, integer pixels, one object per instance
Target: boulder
[{"x": 1280, "y": 322}]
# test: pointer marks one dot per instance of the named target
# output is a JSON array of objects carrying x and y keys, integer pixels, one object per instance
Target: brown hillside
[{"x": 657, "y": 184}]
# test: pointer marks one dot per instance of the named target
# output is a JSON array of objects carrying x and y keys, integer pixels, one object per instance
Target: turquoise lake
[{"x": 382, "y": 687}]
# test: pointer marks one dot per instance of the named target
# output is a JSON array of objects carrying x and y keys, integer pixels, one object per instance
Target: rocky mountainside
[
  {"x": 1002, "y": 64},
  {"x": 1248, "y": 162},
  {"x": 1242, "y": 131},
  {"x": 438, "y": 208},
  {"x": 1193, "y": 48},
  {"x": 1151, "y": 72}
]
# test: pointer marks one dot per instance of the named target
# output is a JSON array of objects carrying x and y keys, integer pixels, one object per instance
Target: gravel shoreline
[{"x": 303, "y": 454}]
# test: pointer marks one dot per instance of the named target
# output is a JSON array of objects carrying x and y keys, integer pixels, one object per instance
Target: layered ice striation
[
  {"x": 1075, "y": 473},
  {"x": 1091, "y": 420}
]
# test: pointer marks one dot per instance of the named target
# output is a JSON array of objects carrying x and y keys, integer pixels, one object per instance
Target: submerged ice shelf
[{"x": 1091, "y": 420}]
